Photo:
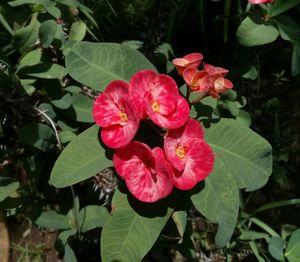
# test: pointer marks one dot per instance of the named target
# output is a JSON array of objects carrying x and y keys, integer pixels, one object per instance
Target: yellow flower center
[
  {"x": 180, "y": 152},
  {"x": 155, "y": 106},
  {"x": 123, "y": 118}
]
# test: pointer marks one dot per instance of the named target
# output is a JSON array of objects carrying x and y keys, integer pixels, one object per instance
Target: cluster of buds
[
  {"x": 210, "y": 80},
  {"x": 184, "y": 158}
]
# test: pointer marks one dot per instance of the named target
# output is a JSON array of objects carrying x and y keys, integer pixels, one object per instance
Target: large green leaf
[
  {"x": 219, "y": 201},
  {"x": 242, "y": 160},
  {"x": 246, "y": 155},
  {"x": 250, "y": 33},
  {"x": 280, "y": 6},
  {"x": 127, "y": 236},
  {"x": 289, "y": 30},
  {"x": 91, "y": 217},
  {"x": 81, "y": 159},
  {"x": 97, "y": 64}
]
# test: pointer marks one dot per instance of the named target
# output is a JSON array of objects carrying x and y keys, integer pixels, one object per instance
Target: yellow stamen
[
  {"x": 123, "y": 117},
  {"x": 155, "y": 106},
  {"x": 180, "y": 152}
]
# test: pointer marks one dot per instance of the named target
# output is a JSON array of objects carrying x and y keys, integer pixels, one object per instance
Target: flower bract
[
  {"x": 114, "y": 111},
  {"x": 146, "y": 172},
  {"x": 191, "y": 157},
  {"x": 192, "y": 60}
]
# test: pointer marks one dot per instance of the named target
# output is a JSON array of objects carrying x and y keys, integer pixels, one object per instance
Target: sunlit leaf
[
  {"x": 81, "y": 159},
  {"x": 127, "y": 236},
  {"x": 97, "y": 64}
]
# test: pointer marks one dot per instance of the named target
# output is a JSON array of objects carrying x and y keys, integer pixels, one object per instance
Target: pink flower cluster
[
  {"x": 258, "y": 2},
  {"x": 150, "y": 174},
  {"x": 210, "y": 80}
]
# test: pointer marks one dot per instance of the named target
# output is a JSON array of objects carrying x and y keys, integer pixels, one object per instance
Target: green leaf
[
  {"x": 47, "y": 32},
  {"x": 52, "y": 220},
  {"x": 292, "y": 252},
  {"x": 31, "y": 58},
  {"x": 280, "y": 6},
  {"x": 38, "y": 135},
  {"x": 81, "y": 109},
  {"x": 64, "y": 235},
  {"x": 296, "y": 60},
  {"x": 242, "y": 160},
  {"x": 251, "y": 74},
  {"x": 91, "y": 217},
  {"x": 180, "y": 220},
  {"x": 245, "y": 154},
  {"x": 22, "y": 2},
  {"x": 26, "y": 37},
  {"x": 63, "y": 103},
  {"x": 6, "y": 25},
  {"x": 7, "y": 187},
  {"x": 43, "y": 70},
  {"x": 81, "y": 159},
  {"x": 221, "y": 190},
  {"x": 69, "y": 254},
  {"x": 250, "y": 33},
  {"x": 97, "y": 64},
  {"x": 127, "y": 236},
  {"x": 288, "y": 28},
  {"x": 244, "y": 118},
  {"x": 276, "y": 246},
  {"x": 253, "y": 235},
  {"x": 77, "y": 31},
  {"x": 66, "y": 136},
  {"x": 54, "y": 11}
]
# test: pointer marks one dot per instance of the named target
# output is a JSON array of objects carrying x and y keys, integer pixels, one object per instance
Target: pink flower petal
[
  {"x": 116, "y": 114},
  {"x": 177, "y": 138},
  {"x": 198, "y": 165},
  {"x": 260, "y": 1},
  {"x": 191, "y": 60},
  {"x": 191, "y": 158},
  {"x": 199, "y": 81},
  {"x": 107, "y": 107},
  {"x": 140, "y": 83},
  {"x": 147, "y": 173},
  {"x": 213, "y": 70},
  {"x": 173, "y": 120}
]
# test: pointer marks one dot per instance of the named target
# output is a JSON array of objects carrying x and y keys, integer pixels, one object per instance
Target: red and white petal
[
  {"x": 106, "y": 108},
  {"x": 189, "y": 74},
  {"x": 194, "y": 59},
  {"x": 137, "y": 164},
  {"x": 105, "y": 111},
  {"x": 174, "y": 120},
  {"x": 133, "y": 158},
  {"x": 222, "y": 84},
  {"x": 199, "y": 164},
  {"x": 152, "y": 185},
  {"x": 139, "y": 84},
  {"x": 117, "y": 136},
  {"x": 213, "y": 70}
]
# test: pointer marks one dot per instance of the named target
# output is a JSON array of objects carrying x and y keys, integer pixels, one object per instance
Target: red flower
[
  {"x": 220, "y": 83},
  {"x": 197, "y": 80},
  {"x": 192, "y": 60},
  {"x": 116, "y": 114},
  {"x": 257, "y": 2},
  {"x": 146, "y": 172},
  {"x": 192, "y": 159},
  {"x": 157, "y": 96}
]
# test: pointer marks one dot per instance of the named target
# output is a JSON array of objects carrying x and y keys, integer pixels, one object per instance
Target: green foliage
[
  {"x": 128, "y": 234},
  {"x": 80, "y": 160},
  {"x": 252, "y": 33},
  {"x": 97, "y": 64}
]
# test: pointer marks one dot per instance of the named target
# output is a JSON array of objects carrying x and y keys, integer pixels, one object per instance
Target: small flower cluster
[
  {"x": 184, "y": 158},
  {"x": 210, "y": 80},
  {"x": 258, "y": 2}
]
